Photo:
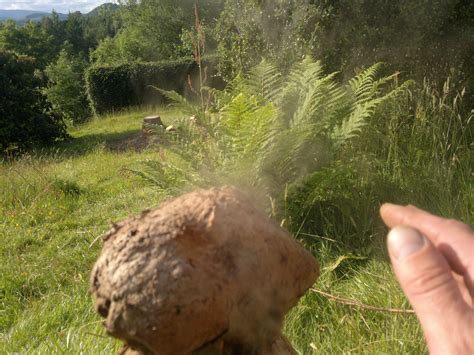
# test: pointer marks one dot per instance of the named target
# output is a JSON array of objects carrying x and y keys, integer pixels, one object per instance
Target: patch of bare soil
[{"x": 135, "y": 142}]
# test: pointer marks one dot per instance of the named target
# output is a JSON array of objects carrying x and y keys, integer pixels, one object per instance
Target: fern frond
[
  {"x": 178, "y": 101},
  {"x": 362, "y": 84},
  {"x": 353, "y": 125},
  {"x": 304, "y": 72},
  {"x": 264, "y": 80},
  {"x": 363, "y": 108},
  {"x": 313, "y": 104}
]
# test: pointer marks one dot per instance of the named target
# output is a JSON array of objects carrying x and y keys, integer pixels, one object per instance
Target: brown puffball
[{"x": 204, "y": 273}]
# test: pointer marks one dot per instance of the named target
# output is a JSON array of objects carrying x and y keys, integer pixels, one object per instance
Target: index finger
[
  {"x": 453, "y": 238},
  {"x": 434, "y": 227}
]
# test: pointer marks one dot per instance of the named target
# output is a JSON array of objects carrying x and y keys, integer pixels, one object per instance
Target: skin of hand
[{"x": 433, "y": 259}]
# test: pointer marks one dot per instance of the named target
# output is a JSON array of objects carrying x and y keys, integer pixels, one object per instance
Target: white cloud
[{"x": 63, "y": 6}]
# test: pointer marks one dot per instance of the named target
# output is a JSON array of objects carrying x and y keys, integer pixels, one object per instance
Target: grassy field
[{"x": 55, "y": 204}]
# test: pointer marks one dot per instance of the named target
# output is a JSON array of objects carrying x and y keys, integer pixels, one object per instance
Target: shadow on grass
[{"x": 131, "y": 140}]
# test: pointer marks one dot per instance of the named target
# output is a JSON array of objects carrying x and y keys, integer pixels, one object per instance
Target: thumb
[{"x": 427, "y": 281}]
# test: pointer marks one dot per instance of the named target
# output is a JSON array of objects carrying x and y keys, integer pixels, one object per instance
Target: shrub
[
  {"x": 111, "y": 88},
  {"x": 26, "y": 117},
  {"x": 66, "y": 87},
  {"x": 278, "y": 129}
]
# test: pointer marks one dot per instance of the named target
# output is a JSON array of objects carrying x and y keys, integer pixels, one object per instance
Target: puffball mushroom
[{"x": 205, "y": 273}]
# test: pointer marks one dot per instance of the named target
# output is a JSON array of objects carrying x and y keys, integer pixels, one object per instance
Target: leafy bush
[
  {"x": 288, "y": 127},
  {"x": 429, "y": 38},
  {"x": 111, "y": 88},
  {"x": 26, "y": 117},
  {"x": 154, "y": 30},
  {"x": 278, "y": 129},
  {"x": 66, "y": 89},
  {"x": 246, "y": 31}
]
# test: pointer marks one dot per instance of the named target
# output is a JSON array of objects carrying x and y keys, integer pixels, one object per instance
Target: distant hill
[
  {"x": 22, "y": 16},
  {"x": 26, "y": 15},
  {"x": 37, "y": 16},
  {"x": 18, "y": 15},
  {"x": 104, "y": 7}
]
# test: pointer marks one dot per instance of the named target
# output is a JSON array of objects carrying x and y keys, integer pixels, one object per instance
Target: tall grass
[
  {"x": 54, "y": 205},
  {"x": 418, "y": 150}
]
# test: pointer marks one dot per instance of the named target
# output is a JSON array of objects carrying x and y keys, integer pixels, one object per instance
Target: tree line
[{"x": 419, "y": 39}]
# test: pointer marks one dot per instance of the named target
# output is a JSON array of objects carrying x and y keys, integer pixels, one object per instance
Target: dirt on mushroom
[{"x": 205, "y": 273}]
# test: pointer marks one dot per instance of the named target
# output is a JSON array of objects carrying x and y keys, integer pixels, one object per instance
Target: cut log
[
  {"x": 153, "y": 120},
  {"x": 206, "y": 273}
]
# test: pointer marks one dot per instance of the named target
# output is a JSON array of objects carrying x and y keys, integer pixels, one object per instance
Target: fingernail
[{"x": 404, "y": 241}]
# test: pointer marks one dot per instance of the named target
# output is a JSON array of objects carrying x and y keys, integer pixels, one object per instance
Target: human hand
[{"x": 433, "y": 259}]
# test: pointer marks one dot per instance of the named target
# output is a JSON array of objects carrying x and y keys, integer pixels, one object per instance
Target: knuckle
[
  {"x": 431, "y": 282},
  {"x": 454, "y": 224}
]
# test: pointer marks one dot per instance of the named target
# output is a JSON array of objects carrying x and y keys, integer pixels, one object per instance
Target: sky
[{"x": 63, "y": 6}]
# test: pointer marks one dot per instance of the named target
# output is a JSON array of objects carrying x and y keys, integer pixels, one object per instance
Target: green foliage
[
  {"x": 26, "y": 118},
  {"x": 156, "y": 25},
  {"x": 103, "y": 22},
  {"x": 29, "y": 40},
  {"x": 308, "y": 117},
  {"x": 154, "y": 30},
  {"x": 416, "y": 150},
  {"x": 423, "y": 38},
  {"x": 43, "y": 40},
  {"x": 432, "y": 38},
  {"x": 123, "y": 48},
  {"x": 115, "y": 87},
  {"x": 324, "y": 202},
  {"x": 429, "y": 138},
  {"x": 247, "y": 30},
  {"x": 66, "y": 87},
  {"x": 279, "y": 129}
]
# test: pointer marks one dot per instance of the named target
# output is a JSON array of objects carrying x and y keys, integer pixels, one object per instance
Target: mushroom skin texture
[{"x": 205, "y": 273}]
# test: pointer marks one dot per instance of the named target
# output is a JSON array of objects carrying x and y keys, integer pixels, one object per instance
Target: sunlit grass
[{"x": 54, "y": 205}]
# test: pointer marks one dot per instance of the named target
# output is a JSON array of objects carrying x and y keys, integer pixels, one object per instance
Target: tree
[
  {"x": 247, "y": 30},
  {"x": 29, "y": 40},
  {"x": 65, "y": 89},
  {"x": 54, "y": 28},
  {"x": 154, "y": 30},
  {"x": 422, "y": 38},
  {"x": 75, "y": 33},
  {"x": 26, "y": 117},
  {"x": 104, "y": 23}
]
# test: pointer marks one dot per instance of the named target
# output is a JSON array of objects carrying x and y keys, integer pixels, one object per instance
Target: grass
[
  {"x": 320, "y": 325},
  {"x": 54, "y": 204}
]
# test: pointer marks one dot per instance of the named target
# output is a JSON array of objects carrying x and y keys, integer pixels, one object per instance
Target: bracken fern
[{"x": 283, "y": 128}]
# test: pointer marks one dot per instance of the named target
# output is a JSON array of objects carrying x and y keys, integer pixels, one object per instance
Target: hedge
[
  {"x": 111, "y": 88},
  {"x": 26, "y": 117}
]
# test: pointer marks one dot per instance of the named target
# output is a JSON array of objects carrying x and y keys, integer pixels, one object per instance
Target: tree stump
[
  {"x": 150, "y": 123},
  {"x": 205, "y": 273}
]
